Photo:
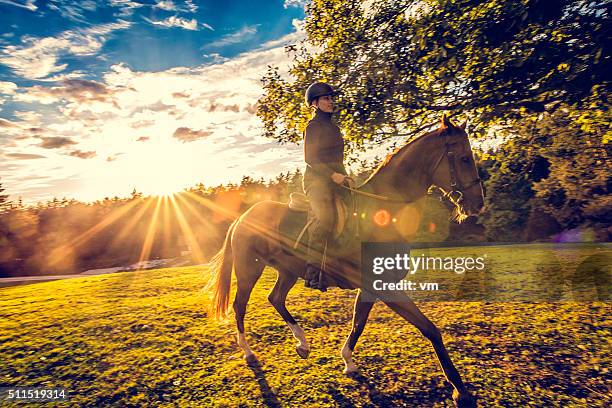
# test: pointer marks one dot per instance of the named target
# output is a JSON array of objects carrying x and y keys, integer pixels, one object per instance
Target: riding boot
[{"x": 315, "y": 274}]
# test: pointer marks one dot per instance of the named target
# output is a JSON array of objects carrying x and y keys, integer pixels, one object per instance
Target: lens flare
[{"x": 382, "y": 218}]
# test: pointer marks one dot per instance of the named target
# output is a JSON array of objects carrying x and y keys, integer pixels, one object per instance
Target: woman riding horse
[
  {"x": 324, "y": 155},
  {"x": 442, "y": 157}
]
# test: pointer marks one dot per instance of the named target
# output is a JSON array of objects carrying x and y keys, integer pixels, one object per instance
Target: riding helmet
[{"x": 316, "y": 90}]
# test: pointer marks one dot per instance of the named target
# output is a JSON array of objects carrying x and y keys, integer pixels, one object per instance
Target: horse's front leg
[
  {"x": 360, "y": 317},
  {"x": 409, "y": 311},
  {"x": 277, "y": 297}
]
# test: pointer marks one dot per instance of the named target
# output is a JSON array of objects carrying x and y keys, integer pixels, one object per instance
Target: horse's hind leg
[
  {"x": 277, "y": 297},
  {"x": 360, "y": 317},
  {"x": 409, "y": 311},
  {"x": 248, "y": 270}
]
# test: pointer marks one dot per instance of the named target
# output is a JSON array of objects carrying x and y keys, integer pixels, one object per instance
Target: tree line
[{"x": 62, "y": 236}]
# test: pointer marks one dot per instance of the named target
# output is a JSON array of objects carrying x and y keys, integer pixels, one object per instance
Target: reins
[{"x": 375, "y": 196}]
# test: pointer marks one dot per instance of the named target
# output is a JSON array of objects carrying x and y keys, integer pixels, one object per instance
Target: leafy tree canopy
[{"x": 399, "y": 64}]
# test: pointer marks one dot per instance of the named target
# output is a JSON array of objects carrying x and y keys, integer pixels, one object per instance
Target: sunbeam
[
  {"x": 150, "y": 236},
  {"x": 129, "y": 227},
  {"x": 259, "y": 228},
  {"x": 57, "y": 254},
  {"x": 193, "y": 211},
  {"x": 186, "y": 229}
]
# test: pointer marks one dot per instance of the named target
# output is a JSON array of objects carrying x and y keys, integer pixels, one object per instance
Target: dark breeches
[{"x": 321, "y": 196}]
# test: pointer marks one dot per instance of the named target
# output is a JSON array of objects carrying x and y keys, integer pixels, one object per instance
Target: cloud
[
  {"x": 63, "y": 77},
  {"x": 126, "y": 7},
  {"x": 142, "y": 123},
  {"x": 37, "y": 58},
  {"x": 7, "y": 88},
  {"x": 28, "y": 4},
  {"x": 215, "y": 57},
  {"x": 234, "y": 38},
  {"x": 114, "y": 156},
  {"x": 80, "y": 92},
  {"x": 143, "y": 139},
  {"x": 221, "y": 107},
  {"x": 55, "y": 142},
  {"x": 167, "y": 5},
  {"x": 31, "y": 117},
  {"x": 191, "y": 7},
  {"x": 25, "y": 156},
  {"x": 158, "y": 106},
  {"x": 295, "y": 3},
  {"x": 251, "y": 108},
  {"x": 174, "y": 21},
  {"x": 180, "y": 95},
  {"x": 83, "y": 155},
  {"x": 5, "y": 123},
  {"x": 185, "y": 134},
  {"x": 73, "y": 10}
]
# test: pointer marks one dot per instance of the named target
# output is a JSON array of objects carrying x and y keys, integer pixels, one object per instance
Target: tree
[
  {"x": 5, "y": 204},
  {"x": 135, "y": 195},
  {"x": 578, "y": 190},
  {"x": 398, "y": 64},
  {"x": 550, "y": 171},
  {"x": 508, "y": 190}
]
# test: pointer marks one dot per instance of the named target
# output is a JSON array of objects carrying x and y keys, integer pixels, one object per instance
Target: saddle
[
  {"x": 296, "y": 222},
  {"x": 299, "y": 202}
]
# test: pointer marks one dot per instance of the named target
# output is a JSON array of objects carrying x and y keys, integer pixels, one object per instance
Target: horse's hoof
[
  {"x": 351, "y": 371},
  {"x": 302, "y": 352},
  {"x": 464, "y": 400},
  {"x": 251, "y": 360}
]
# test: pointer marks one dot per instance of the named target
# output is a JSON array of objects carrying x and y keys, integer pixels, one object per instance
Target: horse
[{"x": 441, "y": 158}]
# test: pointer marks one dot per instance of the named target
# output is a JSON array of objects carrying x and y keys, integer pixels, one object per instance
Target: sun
[
  {"x": 160, "y": 181},
  {"x": 162, "y": 189},
  {"x": 159, "y": 172}
]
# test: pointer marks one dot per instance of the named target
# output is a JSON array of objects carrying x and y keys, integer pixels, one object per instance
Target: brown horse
[{"x": 442, "y": 158}]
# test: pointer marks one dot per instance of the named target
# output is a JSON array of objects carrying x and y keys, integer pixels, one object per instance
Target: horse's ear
[
  {"x": 463, "y": 125},
  {"x": 445, "y": 122}
]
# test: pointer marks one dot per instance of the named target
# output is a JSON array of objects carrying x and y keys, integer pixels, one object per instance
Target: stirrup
[{"x": 314, "y": 278}]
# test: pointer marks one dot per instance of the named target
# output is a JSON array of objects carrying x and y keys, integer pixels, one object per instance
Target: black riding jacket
[{"x": 323, "y": 148}]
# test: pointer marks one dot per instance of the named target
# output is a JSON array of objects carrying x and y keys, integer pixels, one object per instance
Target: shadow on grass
[
  {"x": 267, "y": 394},
  {"x": 408, "y": 397}
]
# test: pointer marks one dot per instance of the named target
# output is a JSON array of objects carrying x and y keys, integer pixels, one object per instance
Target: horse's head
[
  {"x": 453, "y": 170},
  {"x": 441, "y": 161}
]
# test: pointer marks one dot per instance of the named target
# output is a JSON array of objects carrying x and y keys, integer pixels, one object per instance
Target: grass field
[{"x": 143, "y": 339}]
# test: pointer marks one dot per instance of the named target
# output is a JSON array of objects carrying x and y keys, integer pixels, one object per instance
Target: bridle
[{"x": 455, "y": 194}]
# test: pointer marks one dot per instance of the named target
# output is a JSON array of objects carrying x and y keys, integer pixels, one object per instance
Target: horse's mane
[{"x": 399, "y": 150}]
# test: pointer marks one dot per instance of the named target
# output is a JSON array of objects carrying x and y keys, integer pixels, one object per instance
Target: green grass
[{"x": 143, "y": 339}]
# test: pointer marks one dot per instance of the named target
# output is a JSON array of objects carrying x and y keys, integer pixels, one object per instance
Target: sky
[{"x": 100, "y": 97}]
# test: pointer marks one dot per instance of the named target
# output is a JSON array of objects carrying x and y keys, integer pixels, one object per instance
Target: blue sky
[{"x": 95, "y": 94}]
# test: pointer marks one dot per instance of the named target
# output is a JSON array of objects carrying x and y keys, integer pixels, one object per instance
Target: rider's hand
[{"x": 338, "y": 178}]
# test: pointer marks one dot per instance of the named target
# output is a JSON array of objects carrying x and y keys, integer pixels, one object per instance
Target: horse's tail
[{"x": 220, "y": 269}]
